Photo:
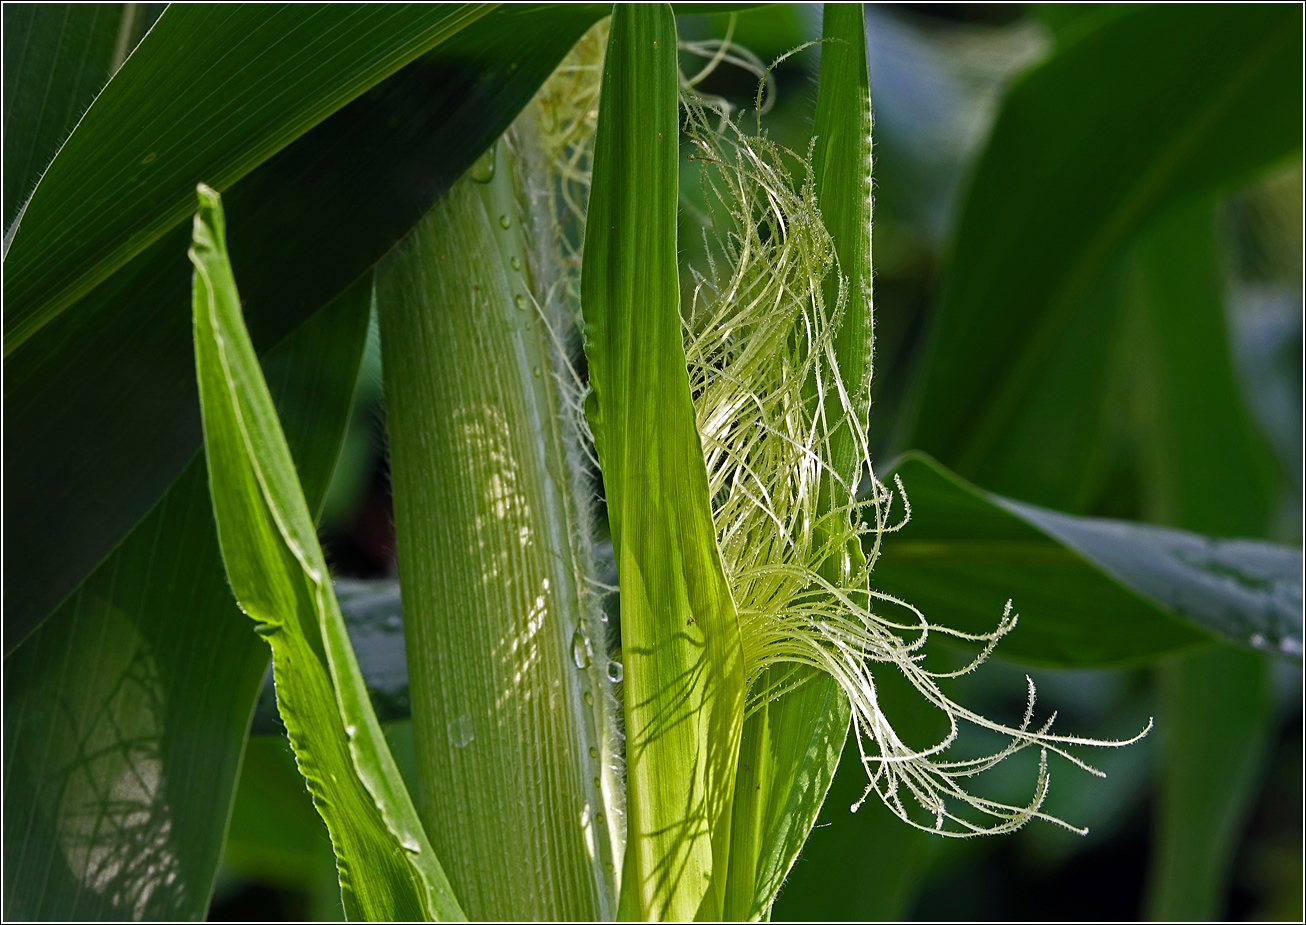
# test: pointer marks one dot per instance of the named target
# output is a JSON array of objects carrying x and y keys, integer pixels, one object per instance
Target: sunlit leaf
[
  {"x": 278, "y": 575},
  {"x": 508, "y": 669},
  {"x": 684, "y": 671}
]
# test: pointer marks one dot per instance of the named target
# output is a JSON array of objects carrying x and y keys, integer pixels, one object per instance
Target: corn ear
[{"x": 684, "y": 673}]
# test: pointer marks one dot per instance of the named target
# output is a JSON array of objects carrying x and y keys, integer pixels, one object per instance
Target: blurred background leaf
[{"x": 1153, "y": 106}]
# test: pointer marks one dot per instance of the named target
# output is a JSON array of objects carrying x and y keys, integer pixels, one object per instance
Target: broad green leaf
[
  {"x": 212, "y": 92},
  {"x": 791, "y": 746},
  {"x": 513, "y": 718},
  {"x": 1214, "y": 718},
  {"x": 684, "y": 672},
  {"x": 126, "y": 713},
  {"x": 57, "y": 57},
  {"x": 1088, "y": 591},
  {"x": 1156, "y": 105},
  {"x": 1248, "y": 592},
  {"x": 278, "y": 575},
  {"x": 313, "y": 219}
]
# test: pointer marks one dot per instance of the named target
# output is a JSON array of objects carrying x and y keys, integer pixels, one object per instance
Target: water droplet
[
  {"x": 536, "y": 372},
  {"x": 597, "y": 784},
  {"x": 615, "y": 671},
  {"x": 411, "y": 844},
  {"x": 394, "y": 621},
  {"x": 462, "y": 731},
  {"x": 594, "y": 752},
  {"x": 505, "y": 221},
  {"x": 589, "y": 698},
  {"x": 351, "y": 730},
  {"x": 580, "y": 649},
  {"x": 1257, "y": 641},
  {"x": 483, "y": 170},
  {"x": 515, "y": 263},
  {"x": 600, "y": 819},
  {"x": 607, "y": 865},
  {"x": 520, "y": 302}
]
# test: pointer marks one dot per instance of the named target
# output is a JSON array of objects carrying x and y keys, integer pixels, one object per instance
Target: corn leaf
[
  {"x": 1156, "y": 105},
  {"x": 57, "y": 58},
  {"x": 279, "y": 577},
  {"x": 680, "y": 634},
  {"x": 119, "y": 362},
  {"x": 508, "y": 671},
  {"x": 1089, "y": 591},
  {"x": 791, "y": 746},
  {"x": 126, "y": 713},
  {"x": 282, "y": 73}
]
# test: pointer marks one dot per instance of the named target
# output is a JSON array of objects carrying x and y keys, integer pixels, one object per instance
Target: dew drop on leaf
[
  {"x": 580, "y": 649},
  {"x": 483, "y": 170}
]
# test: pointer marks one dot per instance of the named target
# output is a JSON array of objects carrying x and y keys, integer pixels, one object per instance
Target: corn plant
[{"x": 498, "y": 192}]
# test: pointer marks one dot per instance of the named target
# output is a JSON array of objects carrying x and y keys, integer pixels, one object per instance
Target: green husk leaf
[
  {"x": 791, "y": 745},
  {"x": 513, "y": 717},
  {"x": 278, "y": 575},
  {"x": 684, "y": 672}
]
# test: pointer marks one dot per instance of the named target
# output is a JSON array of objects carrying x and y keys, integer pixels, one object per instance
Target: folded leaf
[
  {"x": 278, "y": 575},
  {"x": 684, "y": 672},
  {"x": 1089, "y": 591}
]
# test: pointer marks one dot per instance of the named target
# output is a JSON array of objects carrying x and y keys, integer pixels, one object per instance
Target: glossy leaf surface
[
  {"x": 215, "y": 91},
  {"x": 119, "y": 361},
  {"x": 57, "y": 57},
  {"x": 1089, "y": 591}
]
